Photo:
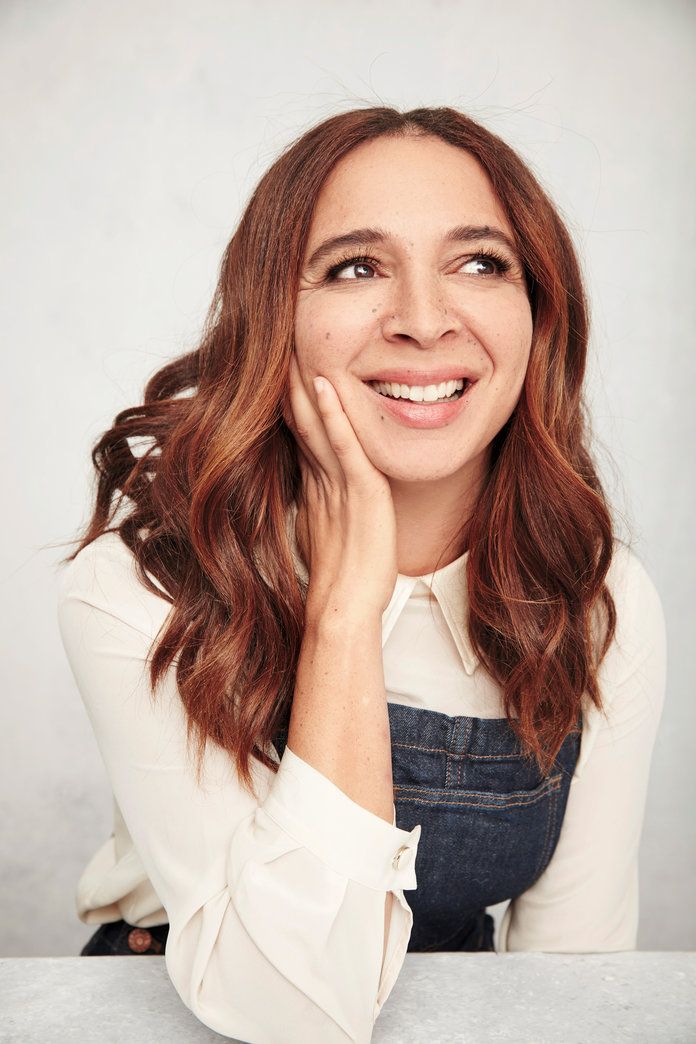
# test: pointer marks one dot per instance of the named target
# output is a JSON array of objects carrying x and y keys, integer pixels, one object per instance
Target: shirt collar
[{"x": 448, "y": 584}]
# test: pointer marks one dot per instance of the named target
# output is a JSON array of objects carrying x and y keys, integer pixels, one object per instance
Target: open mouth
[{"x": 386, "y": 391}]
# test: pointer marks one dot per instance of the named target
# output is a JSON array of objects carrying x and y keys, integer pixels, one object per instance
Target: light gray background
[{"x": 133, "y": 134}]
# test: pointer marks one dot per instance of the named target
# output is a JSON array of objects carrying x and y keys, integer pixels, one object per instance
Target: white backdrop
[{"x": 133, "y": 134}]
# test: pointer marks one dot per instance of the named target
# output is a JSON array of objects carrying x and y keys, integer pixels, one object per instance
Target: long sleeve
[
  {"x": 275, "y": 905},
  {"x": 587, "y": 898}
]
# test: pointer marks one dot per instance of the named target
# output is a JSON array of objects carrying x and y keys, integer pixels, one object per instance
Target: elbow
[{"x": 269, "y": 994}]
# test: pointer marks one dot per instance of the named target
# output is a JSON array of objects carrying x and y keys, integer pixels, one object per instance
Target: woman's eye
[
  {"x": 359, "y": 265},
  {"x": 347, "y": 264},
  {"x": 492, "y": 265},
  {"x": 495, "y": 266}
]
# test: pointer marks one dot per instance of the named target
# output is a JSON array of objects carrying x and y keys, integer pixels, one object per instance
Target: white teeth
[{"x": 429, "y": 393}]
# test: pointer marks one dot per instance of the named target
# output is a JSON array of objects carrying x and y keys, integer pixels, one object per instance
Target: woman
[{"x": 392, "y": 613}]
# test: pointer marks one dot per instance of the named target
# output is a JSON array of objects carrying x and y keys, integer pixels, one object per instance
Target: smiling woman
[
  {"x": 392, "y": 614},
  {"x": 435, "y": 301}
]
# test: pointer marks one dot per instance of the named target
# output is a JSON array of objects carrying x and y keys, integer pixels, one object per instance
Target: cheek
[
  {"x": 507, "y": 338},
  {"x": 313, "y": 337},
  {"x": 328, "y": 332}
]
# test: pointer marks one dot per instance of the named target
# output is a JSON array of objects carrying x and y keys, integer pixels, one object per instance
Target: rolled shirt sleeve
[{"x": 275, "y": 904}]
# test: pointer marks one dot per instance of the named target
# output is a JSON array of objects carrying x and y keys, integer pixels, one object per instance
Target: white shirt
[{"x": 276, "y": 906}]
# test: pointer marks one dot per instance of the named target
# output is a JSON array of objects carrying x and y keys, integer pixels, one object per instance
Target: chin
[{"x": 421, "y": 471}]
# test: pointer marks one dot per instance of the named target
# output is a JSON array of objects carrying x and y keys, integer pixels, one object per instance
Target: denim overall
[
  {"x": 489, "y": 825},
  {"x": 489, "y": 820}
]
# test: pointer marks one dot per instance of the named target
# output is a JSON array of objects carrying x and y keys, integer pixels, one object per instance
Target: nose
[{"x": 417, "y": 310}]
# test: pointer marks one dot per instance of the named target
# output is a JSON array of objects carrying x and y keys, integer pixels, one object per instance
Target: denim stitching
[
  {"x": 444, "y": 750},
  {"x": 545, "y": 783},
  {"x": 540, "y": 861},
  {"x": 549, "y": 787},
  {"x": 448, "y": 754},
  {"x": 549, "y": 836},
  {"x": 449, "y": 761},
  {"x": 465, "y": 750}
]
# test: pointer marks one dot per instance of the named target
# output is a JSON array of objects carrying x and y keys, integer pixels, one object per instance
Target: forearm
[{"x": 339, "y": 721}]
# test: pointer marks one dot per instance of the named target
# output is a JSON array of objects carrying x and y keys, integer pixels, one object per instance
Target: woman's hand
[{"x": 346, "y": 523}]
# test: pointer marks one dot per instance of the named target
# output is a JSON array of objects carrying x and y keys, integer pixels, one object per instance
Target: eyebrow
[{"x": 370, "y": 236}]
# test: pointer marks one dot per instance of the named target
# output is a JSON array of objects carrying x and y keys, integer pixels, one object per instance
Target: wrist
[{"x": 340, "y": 617}]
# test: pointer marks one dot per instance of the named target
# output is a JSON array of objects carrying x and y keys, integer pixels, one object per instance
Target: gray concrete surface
[{"x": 440, "y": 998}]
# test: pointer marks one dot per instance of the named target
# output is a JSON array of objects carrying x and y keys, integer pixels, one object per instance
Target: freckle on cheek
[{"x": 327, "y": 335}]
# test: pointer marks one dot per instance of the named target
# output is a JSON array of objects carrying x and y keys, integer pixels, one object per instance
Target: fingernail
[{"x": 320, "y": 385}]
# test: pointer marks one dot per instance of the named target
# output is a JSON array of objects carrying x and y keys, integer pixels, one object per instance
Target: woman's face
[{"x": 423, "y": 303}]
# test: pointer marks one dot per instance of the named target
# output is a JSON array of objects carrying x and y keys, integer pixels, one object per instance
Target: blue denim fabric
[
  {"x": 121, "y": 939},
  {"x": 489, "y": 820},
  {"x": 489, "y": 825}
]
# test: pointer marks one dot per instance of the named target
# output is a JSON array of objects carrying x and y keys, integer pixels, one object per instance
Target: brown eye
[
  {"x": 358, "y": 264},
  {"x": 495, "y": 263},
  {"x": 349, "y": 262}
]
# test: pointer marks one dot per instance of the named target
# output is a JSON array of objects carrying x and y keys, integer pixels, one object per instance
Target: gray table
[{"x": 439, "y": 998}]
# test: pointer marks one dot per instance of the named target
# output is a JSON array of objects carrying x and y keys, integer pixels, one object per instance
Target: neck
[{"x": 432, "y": 520}]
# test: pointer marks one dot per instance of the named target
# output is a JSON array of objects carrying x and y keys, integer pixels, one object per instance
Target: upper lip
[{"x": 422, "y": 378}]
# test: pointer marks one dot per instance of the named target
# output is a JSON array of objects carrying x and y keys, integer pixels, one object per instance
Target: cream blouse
[{"x": 276, "y": 906}]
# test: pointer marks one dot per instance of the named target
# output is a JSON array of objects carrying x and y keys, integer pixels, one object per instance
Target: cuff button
[{"x": 400, "y": 856}]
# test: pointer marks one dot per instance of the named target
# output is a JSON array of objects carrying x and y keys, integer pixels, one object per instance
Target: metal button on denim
[
  {"x": 399, "y": 857},
  {"x": 139, "y": 940}
]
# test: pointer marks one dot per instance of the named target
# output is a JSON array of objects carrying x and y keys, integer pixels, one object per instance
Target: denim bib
[{"x": 489, "y": 820}]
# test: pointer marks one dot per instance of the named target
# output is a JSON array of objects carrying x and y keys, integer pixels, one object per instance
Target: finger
[
  {"x": 309, "y": 429},
  {"x": 305, "y": 456},
  {"x": 345, "y": 444}
]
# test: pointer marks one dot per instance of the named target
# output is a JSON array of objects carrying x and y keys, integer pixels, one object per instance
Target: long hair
[{"x": 203, "y": 508}]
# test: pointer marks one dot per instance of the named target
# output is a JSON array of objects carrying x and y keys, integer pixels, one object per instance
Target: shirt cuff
[{"x": 348, "y": 838}]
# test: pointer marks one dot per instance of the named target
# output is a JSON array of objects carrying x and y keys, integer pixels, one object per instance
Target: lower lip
[{"x": 423, "y": 414}]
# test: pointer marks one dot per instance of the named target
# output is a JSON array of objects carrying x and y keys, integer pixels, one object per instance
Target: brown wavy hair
[{"x": 204, "y": 506}]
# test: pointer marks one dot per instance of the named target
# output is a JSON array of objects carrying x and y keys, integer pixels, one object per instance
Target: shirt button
[{"x": 399, "y": 857}]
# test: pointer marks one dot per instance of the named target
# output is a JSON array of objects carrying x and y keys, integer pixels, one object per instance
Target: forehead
[{"x": 409, "y": 185}]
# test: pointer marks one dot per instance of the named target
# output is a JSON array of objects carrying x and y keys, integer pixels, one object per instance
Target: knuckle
[{"x": 341, "y": 447}]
